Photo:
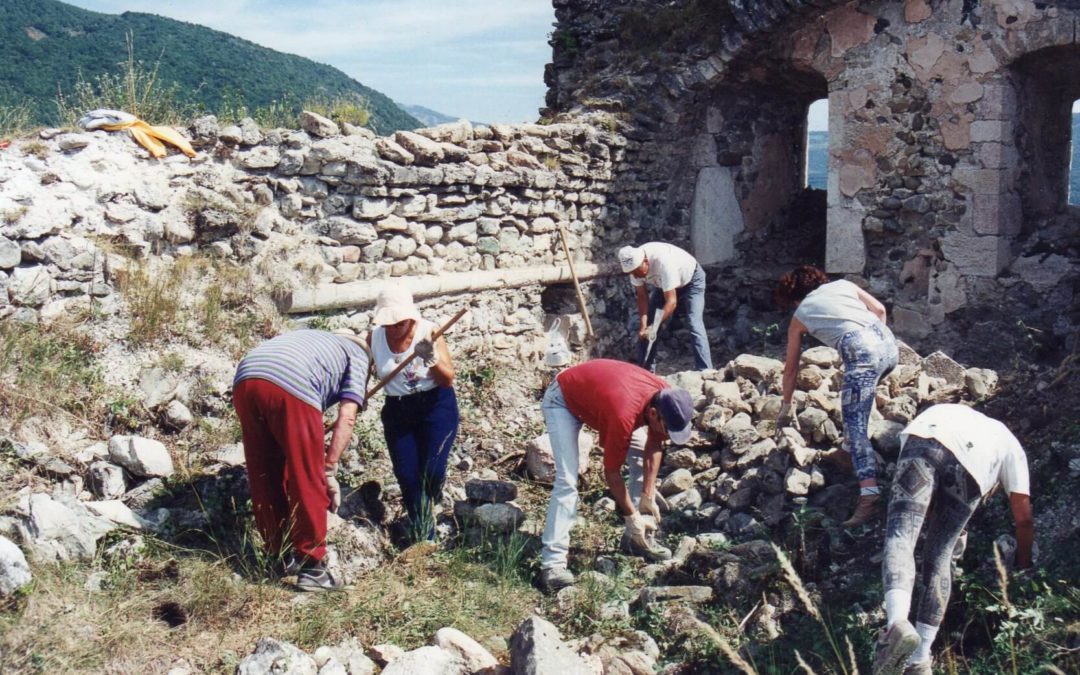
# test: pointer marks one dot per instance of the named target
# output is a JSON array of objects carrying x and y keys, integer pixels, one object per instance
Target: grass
[
  {"x": 35, "y": 149},
  {"x": 15, "y": 118},
  {"x": 199, "y": 300},
  {"x": 49, "y": 368}
]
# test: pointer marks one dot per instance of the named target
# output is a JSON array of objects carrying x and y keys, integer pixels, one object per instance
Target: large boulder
[
  {"x": 272, "y": 657},
  {"x": 475, "y": 658},
  {"x": 536, "y": 648},
  {"x": 14, "y": 571},
  {"x": 428, "y": 660},
  {"x": 141, "y": 456},
  {"x": 59, "y": 530},
  {"x": 540, "y": 462}
]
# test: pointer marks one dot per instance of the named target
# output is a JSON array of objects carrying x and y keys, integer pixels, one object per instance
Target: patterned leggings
[
  {"x": 868, "y": 354},
  {"x": 927, "y": 471}
]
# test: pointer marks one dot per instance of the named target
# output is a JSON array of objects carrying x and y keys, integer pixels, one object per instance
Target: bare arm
[
  {"x": 1025, "y": 528},
  {"x": 343, "y": 428},
  {"x": 642, "y": 297},
  {"x": 872, "y": 304},
  {"x": 669, "y": 304},
  {"x": 618, "y": 491},
  {"x": 791, "y": 359},
  {"x": 443, "y": 371}
]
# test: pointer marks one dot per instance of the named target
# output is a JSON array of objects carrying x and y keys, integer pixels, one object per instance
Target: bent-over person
[{"x": 280, "y": 391}]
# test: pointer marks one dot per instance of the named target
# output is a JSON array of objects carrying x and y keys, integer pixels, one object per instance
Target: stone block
[
  {"x": 977, "y": 256},
  {"x": 14, "y": 570},
  {"x": 141, "y": 456},
  {"x": 537, "y": 648},
  {"x": 991, "y": 131},
  {"x": 716, "y": 218},
  {"x": 845, "y": 248},
  {"x": 1044, "y": 272},
  {"x": 475, "y": 658},
  {"x": 982, "y": 181},
  {"x": 493, "y": 491},
  {"x": 703, "y": 152},
  {"x": 996, "y": 214}
]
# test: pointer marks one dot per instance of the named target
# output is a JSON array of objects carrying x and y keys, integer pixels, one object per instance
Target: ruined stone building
[
  {"x": 681, "y": 120},
  {"x": 948, "y": 158}
]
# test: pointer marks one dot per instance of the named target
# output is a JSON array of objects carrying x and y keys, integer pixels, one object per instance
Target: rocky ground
[{"x": 127, "y": 540}]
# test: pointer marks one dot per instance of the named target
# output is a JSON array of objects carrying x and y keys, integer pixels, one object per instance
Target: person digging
[
  {"x": 280, "y": 391},
  {"x": 614, "y": 398},
  {"x": 953, "y": 457}
]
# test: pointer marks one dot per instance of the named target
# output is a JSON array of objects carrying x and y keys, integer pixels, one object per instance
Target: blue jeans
[
  {"x": 690, "y": 300},
  {"x": 563, "y": 428},
  {"x": 420, "y": 430},
  {"x": 868, "y": 354}
]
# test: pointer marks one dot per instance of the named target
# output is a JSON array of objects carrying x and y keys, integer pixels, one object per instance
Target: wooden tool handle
[
  {"x": 401, "y": 366},
  {"x": 577, "y": 284}
]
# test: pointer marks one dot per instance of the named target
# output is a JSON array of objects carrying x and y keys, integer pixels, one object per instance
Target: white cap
[{"x": 630, "y": 258}]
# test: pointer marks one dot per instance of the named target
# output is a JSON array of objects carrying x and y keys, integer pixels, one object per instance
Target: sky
[{"x": 482, "y": 60}]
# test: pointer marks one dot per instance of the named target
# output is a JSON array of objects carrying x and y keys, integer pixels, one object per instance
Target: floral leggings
[
  {"x": 927, "y": 471},
  {"x": 868, "y": 354}
]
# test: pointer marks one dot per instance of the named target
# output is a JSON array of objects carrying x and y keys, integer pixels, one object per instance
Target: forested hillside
[{"x": 45, "y": 45}]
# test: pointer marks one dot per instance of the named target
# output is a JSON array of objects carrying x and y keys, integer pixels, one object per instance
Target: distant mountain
[
  {"x": 45, "y": 44},
  {"x": 431, "y": 117}
]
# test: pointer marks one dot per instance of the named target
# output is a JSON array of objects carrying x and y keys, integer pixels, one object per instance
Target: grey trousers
[{"x": 927, "y": 472}]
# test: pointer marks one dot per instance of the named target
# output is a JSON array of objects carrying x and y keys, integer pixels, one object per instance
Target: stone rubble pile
[{"x": 536, "y": 648}]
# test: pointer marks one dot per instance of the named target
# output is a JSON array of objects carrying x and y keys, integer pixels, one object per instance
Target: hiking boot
[
  {"x": 653, "y": 553},
  {"x": 866, "y": 508},
  {"x": 554, "y": 579},
  {"x": 920, "y": 668},
  {"x": 894, "y": 647},
  {"x": 314, "y": 578}
]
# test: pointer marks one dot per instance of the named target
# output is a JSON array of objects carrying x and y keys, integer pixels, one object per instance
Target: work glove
[
  {"x": 638, "y": 529},
  {"x": 333, "y": 488},
  {"x": 425, "y": 351},
  {"x": 652, "y": 331},
  {"x": 648, "y": 507}
]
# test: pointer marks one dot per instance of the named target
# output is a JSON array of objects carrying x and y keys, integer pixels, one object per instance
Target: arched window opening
[
  {"x": 1074, "y": 167},
  {"x": 817, "y": 144}
]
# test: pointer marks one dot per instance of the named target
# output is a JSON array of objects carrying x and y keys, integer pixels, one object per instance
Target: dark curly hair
[{"x": 797, "y": 284}]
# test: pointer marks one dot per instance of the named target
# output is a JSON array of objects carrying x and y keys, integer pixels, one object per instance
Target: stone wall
[
  {"x": 948, "y": 146},
  {"x": 325, "y": 212}
]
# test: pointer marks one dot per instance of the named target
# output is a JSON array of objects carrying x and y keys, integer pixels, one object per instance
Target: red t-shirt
[{"x": 611, "y": 397}]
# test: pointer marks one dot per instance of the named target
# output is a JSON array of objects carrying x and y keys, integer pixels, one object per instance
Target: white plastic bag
[{"x": 558, "y": 351}]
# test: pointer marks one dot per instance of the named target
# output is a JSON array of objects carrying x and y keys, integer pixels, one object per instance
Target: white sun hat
[{"x": 394, "y": 304}]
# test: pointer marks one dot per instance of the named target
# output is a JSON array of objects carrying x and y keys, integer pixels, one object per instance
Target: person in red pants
[{"x": 280, "y": 391}]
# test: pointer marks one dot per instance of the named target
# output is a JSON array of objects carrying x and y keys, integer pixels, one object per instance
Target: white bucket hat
[
  {"x": 630, "y": 258},
  {"x": 394, "y": 304}
]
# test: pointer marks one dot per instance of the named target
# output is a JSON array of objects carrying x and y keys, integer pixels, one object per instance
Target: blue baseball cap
[{"x": 677, "y": 409}]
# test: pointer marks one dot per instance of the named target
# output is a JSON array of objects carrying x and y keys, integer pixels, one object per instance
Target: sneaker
[
  {"x": 894, "y": 647},
  {"x": 554, "y": 579},
  {"x": 866, "y": 508},
  {"x": 653, "y": 553},
  {"x": 314, "y": 578},
  {"x": 920, "y": 668}
]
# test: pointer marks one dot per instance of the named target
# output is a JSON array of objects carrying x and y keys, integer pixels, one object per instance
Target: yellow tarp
[{"x": 151, "y": 137}]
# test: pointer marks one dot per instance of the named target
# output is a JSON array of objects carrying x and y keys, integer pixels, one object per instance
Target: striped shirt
[{"x": 315, "y": 366}]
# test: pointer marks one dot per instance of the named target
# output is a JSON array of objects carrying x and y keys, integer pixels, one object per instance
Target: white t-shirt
[
  {"x": 415, "y": 377},
  {"x": 983, "y": 446},
  {"x": 670, "y": 267},
  {"x": 833, "y": 310}
]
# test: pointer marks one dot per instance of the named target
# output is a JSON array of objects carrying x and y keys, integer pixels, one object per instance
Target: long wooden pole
[
  {"x": 577, "y": 284},
  {"x": 401, "y": 366}
]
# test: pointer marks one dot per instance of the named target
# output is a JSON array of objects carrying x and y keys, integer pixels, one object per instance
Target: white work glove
[
  {"x": 333, "y": 488},
  {"x": 652, "y": 331},
  {"x": 648, "y": 507},
  {"x": 638, "y": 529},
  {"x": 425, "y": 351}
]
